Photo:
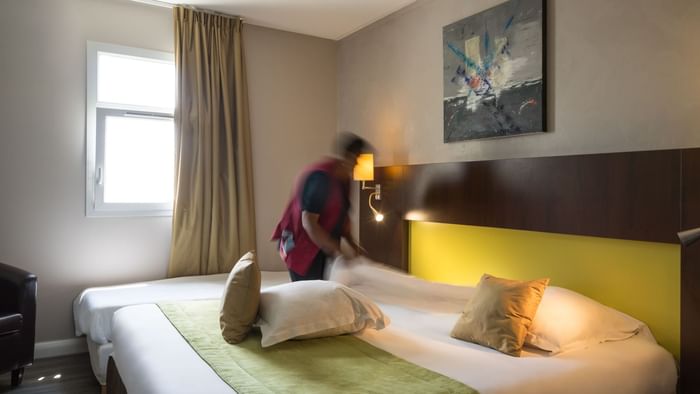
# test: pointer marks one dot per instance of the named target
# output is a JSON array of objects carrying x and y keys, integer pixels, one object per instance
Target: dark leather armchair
[{"x": 17, "y": 320}]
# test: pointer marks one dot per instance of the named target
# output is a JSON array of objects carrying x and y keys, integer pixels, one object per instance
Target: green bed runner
[{"x": 342, "y": 364}]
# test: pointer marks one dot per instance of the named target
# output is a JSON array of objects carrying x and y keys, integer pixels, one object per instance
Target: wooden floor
[{"x": 68, "y": 374}]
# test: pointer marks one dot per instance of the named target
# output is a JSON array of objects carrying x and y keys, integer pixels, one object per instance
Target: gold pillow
[
  {"x": 500, "y": 313},
  {"x": 241, "y": 298}
]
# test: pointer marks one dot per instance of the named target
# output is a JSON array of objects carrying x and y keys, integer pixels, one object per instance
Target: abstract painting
[{"x": 494, "y": 72}]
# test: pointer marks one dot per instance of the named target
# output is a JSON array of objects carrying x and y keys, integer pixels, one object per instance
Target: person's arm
[{"x": 318, "y": 235}]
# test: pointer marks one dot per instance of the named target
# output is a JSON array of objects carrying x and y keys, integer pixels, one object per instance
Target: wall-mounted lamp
[
  {"x": 687, "y": 237},
  {"x": 364, "y": 171}
]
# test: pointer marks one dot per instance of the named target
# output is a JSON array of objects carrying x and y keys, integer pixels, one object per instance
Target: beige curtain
[{"x": 213, "y": 217}]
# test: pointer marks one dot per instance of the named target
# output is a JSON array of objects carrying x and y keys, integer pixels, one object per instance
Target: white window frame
[{"x": 95, "y": 119}]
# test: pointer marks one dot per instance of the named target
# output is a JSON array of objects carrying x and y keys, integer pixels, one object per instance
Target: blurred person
[{"x": 316, "y": 217}]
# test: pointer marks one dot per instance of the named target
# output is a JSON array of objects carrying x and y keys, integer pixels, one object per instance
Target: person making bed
[{"x": 316, "y": 217}]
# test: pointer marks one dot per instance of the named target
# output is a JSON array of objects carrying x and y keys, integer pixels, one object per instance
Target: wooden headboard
[{"x": 645, "y": 196}]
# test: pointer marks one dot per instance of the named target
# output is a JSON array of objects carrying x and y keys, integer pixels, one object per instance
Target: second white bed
[{"x": 94, "y": 307}]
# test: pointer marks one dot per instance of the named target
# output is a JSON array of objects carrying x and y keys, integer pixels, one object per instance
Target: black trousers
[{"x": 315, "y": 271}]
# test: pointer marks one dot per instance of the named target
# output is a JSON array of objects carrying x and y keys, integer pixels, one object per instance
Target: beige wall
[
  {"x": 292, "y": 91},
  {"x": 43, "y": 227},
  {"x": 623, "y": 76}
]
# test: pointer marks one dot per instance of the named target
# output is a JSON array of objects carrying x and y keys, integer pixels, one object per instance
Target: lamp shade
[{"x": 364, "y": 170}]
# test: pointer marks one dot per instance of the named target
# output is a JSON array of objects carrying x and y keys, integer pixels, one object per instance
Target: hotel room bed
[
  {"x": 94, "y": 307},
  {"x": 152, "y": 357}
]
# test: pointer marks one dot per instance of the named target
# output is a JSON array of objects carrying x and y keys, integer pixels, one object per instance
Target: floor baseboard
[{"x": 62, "y": 347}]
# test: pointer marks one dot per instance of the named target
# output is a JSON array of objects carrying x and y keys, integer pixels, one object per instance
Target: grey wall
[
  {"x": 622, "y": 77},
  {"x": 292, "y": 92},
  {"x": 43, "y": 227}
]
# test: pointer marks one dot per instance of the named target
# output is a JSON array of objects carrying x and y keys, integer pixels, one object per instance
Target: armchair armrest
[
  {"x": 17, "y": 289},
  {"x": 18, "y": 295},
  {"x": 17, "y": 299}
]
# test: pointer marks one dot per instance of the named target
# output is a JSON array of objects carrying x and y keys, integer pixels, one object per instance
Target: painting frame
[{"x": 496, "y": 87}]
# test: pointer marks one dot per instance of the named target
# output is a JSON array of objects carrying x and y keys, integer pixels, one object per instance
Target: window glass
[
  {"x": 130, "y": 132},
  {"x": 135, "y": 81},
  {"x": 138, "y": 160}
]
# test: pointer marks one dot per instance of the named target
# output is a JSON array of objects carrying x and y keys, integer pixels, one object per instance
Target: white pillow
[
  {"x": 567, "y": 320},
  {"x": 313, "y": 309}
]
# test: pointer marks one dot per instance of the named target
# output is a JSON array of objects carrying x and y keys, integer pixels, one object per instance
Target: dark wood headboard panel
[
  {"x": 646, "y": 196},
  {"x": 632, "y": 195}
]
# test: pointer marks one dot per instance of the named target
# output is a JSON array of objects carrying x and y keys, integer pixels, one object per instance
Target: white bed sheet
[
  {"x": 93, "y": 308},
  {"x": 153, "y": 358}
]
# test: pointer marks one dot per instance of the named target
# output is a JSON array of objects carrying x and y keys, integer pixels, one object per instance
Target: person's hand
[
  {"x": 339, "y": 253},
  {"x": 357, "y": 250},
  {"x": 360, "y": 251}
]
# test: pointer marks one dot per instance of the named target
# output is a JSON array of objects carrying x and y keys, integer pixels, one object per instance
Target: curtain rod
[{"x": 169, "y": 5}]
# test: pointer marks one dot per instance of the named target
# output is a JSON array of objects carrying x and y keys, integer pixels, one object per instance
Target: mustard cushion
[
  {"x": 240, "y": 300},
  {"x": 500, "y": 313}
]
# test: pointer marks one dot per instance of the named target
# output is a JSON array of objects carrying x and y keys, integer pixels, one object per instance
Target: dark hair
[{"x": 349, "y": 143}]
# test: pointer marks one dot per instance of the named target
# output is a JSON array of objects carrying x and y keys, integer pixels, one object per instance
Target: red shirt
[{"x": 295, "y": 246}]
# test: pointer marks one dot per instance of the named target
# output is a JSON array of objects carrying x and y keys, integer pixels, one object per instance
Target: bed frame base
[{"x": 114, "y": 380}]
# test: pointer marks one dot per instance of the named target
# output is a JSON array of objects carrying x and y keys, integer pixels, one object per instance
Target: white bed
[
  {"x": 152, "y": 357},
  {"x": 93, "y": 308}
]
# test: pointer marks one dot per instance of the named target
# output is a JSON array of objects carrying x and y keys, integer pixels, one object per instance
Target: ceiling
[{"x": 332, "y": 19}]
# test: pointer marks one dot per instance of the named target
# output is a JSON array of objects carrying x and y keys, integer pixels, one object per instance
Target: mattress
[{"x": 152, "y": 357}]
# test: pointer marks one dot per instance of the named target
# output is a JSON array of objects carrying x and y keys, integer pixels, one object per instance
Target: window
[{"x": 130, "y": 131}]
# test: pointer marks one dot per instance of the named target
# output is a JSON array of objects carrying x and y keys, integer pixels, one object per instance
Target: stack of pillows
[
  {"x": 285, "y": 311},
  {"x": 500, "y": 313},
  {"x": 507, "y": 314},
  {"x": 503, "y": 314}
]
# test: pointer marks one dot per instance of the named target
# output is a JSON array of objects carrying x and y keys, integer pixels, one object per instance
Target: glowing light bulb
[{"x": 379, "y": 217}]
